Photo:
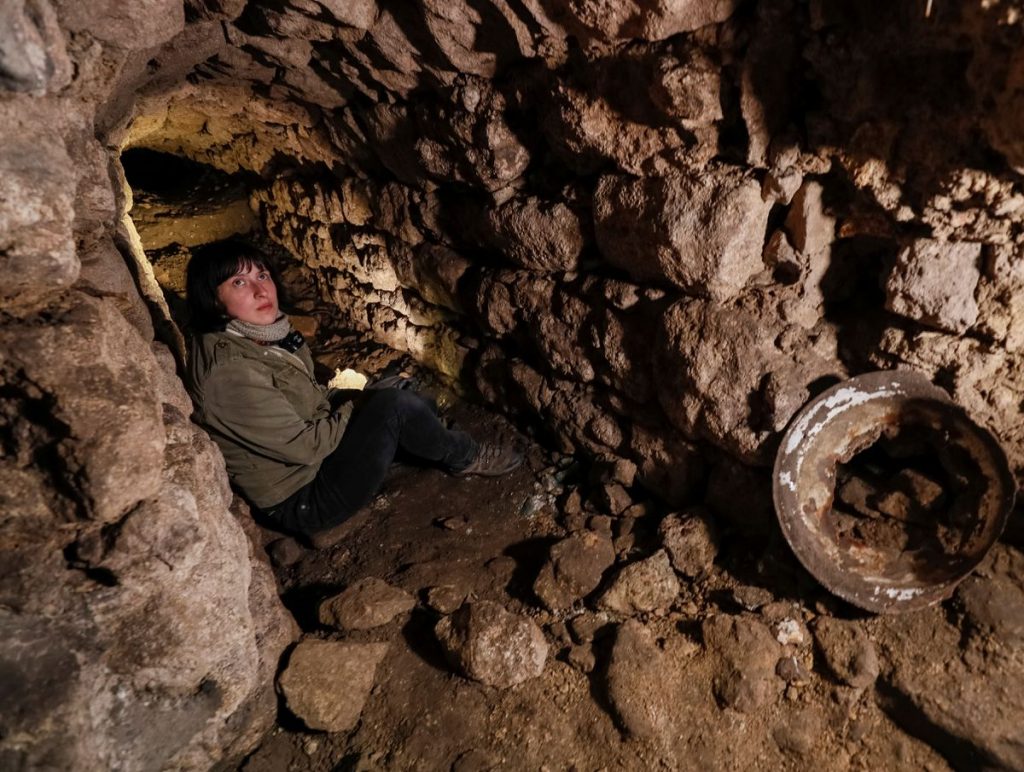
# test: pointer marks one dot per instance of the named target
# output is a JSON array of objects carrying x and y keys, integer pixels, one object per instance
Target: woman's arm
[{"x": 244, "y": 405}]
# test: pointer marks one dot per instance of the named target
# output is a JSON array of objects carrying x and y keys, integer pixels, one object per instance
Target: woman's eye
[
  {"x": 263, "y": 276},
  {"x": 238, "y": 282}
]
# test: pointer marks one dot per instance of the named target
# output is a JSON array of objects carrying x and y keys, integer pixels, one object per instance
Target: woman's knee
[{"x": 401, "y": 402}]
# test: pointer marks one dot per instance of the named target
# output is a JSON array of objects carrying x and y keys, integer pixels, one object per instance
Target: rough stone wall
[
  {"x": 659, "y": 229},
  {"x": 138, "y": 630}
]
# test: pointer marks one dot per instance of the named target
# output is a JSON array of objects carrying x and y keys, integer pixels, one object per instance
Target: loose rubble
[
  {"x": 364, "y": 605},
  {"x": 491, "y": 645},
  {"x": 326, "y": 683}
]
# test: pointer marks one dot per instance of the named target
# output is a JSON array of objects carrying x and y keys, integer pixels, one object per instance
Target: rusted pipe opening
[{"x": 888, "y": 493}]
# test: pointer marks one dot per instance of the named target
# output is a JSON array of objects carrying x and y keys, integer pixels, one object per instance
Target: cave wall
[
  {"x": 654, "y": 228},
  {"x": 658, "y": 230},
  {"x": 138, "y": 628}
]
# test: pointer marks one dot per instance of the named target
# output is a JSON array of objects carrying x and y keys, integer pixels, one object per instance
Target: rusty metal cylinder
[{"x": 883, "y": 540}]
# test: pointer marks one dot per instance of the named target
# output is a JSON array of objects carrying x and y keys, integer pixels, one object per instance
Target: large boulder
[
  {"x": 734, "y": 376},
  {"x": 704, "y": 233},
  {"x": 131, "y": 593}
]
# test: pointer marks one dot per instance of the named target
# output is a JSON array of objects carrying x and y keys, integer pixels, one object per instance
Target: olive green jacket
[{"x": 261, "y": 405}]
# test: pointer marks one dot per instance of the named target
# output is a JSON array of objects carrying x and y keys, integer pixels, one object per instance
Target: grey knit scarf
[{"x": 262, "y": 333}]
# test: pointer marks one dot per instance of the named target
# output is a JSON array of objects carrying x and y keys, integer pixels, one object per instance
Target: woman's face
[{"x": 249, "y": 295}]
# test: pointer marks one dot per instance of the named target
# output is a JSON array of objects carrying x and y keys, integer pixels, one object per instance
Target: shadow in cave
[
  {"x": 879, "y": 69},
  {"x": 303, "y": 601},
  {"x": 530, "y": 556}
]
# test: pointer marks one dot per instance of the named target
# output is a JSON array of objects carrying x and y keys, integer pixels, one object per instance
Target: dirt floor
[
  {"x": 715, "y": 700},
  {"x": 732, "y": 657}
]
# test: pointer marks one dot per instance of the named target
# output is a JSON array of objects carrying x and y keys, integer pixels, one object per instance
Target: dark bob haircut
[{"x": 210, "y": 266}]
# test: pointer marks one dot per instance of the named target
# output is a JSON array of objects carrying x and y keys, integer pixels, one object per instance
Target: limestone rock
[
  {"x": 811, "y": 229},
  {"x": 800, "y": 730},
  {"x": 730, "y": 378},
  {"x": 445, "y": 598},
  {"x": 687, "y": 89},
  {"x": 169, "y": 613},
  {"x": 633, "y": 19},
  {"x": 614, "y": 498},
  {"x": 588, "y": 132},
  {"x": 492, "y": 645},
  {"x": 33, "y": 56},
  {"x": 89, "y": 359},
  {"x": 691, "y": 540},
  {"x": 994, "y": 608},
  {"x": 326, "y": 683},
  {"x": 747, "y": 654},
  {"x": 702, "y": 234},
  {"x": 975, "y": 693},
  {"x": 574, "y": 569},
  {"x": 537, "y": 235},
  {"x": 126, "y": 25},
  {"x": 637, "y": 679},
  {"x": 37, "y": 185},
  {"x": 360, "y": 14},
  {"x": 368, "y": 603},
  {"x": 934, "y": 283},
  {"x": 848, "y": 651},
  {"x": 647, "y": 585}
]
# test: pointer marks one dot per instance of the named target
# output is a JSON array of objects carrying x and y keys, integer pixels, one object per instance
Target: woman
[{"x": 304, "y": 464}]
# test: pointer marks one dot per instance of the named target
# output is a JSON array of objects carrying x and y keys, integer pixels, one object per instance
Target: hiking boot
[{"x": 492, "y": 460}]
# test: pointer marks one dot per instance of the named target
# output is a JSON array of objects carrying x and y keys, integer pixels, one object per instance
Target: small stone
[
  {"x": 691, "y": 541},
  {"x": 326, "y": 683},
  {"x": 575, "y": 523},
  {"x": 600, "y": 524},
  {"x": 502, "y": 568},
  {"x": 642, "y": 509},
  {"x": 743, "y": 691},
  {"x": 444, "y": 598},
  {"x": 310, "y": 745},
  {"x": 624, "y": 545},
  {"x": 612, "y": 469},
  {"x": 638, "y": 674},
  {"x": 574, "y": 569},
  {"x": 586, "y": 626},
  {"x": 646, "y": 585},
  {"x": 748, "y": 656},
  {"x": 368, "y": 603},
  {"x": 800, "y": 732},
  {"x": 789, "y": 632},
  {"x": 751, "y": 598},
  {"x": 847, "y": 651},
  {"x": 285, "y": 552},
  {"x": 582, "y": 658},
  {"x": 615, "y": 498},
  {"x": 573, "y": 504},
  {"x": 910, "y": 495},
  {"x": 792, "y": 671},
  {"x": 488, "y": 643}
]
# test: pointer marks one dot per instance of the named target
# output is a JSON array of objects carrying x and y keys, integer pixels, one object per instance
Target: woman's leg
[{"x": 388, "y": 419}]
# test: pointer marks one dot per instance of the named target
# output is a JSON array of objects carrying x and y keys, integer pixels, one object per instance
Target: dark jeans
[{"x": 383, "y": 422}]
